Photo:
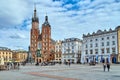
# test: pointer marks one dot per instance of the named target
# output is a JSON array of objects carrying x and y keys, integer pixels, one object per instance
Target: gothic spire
[
  {"x": 35, "y": 18},
  {"x": 34, "y": 10},
  {"x": 46, "y": 18}
]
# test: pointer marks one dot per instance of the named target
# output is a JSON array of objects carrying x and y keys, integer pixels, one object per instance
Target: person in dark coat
[
  {"x": 108, "y": 66},
  {"x": 69, "y": 63},
  {"x": 18, "y": 66},
  {"x": 104, "y": 66}
]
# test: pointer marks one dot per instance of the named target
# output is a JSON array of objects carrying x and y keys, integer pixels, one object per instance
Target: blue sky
[{"x": 68, "y": 18}]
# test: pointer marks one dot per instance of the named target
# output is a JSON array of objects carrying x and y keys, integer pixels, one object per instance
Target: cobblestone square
[{"x": 62, "y": 72}]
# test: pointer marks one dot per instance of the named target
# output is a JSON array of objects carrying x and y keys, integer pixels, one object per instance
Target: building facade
[
  {"x": 52, "y": 51},
  {"x": 118, "y": 41},
  {"x": 100, "y": 46},
  {"x": 20, "y": 56},
  {"x": 6, "y": 54},
  {"x": 71, "y": 50},
  {"x": 58, "y": 51},
  {"x": 41, "y": 41}
]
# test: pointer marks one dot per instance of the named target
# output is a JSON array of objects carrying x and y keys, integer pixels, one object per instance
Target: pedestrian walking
[
  {"x": 18, "y": 66},
  {"x": 7, "y": 66},
  {"x": 104, "y": 66},
  {"x": 69, "y": 63},
  {"x": 108, "y": 66}
]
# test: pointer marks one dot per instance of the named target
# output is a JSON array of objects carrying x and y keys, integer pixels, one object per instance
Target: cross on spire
[
  {"x": 34, "y": 9},
  {"x": 35, "y": 18}
]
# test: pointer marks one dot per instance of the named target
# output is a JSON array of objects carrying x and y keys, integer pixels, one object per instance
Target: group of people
[
  {"x": 67, "y": 63},
  {"x": 106, "y": 65},
  {"x": 12, "y": 66}
]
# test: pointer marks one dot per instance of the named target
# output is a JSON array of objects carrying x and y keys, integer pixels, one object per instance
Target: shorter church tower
[{"x": 46, "y": 39}]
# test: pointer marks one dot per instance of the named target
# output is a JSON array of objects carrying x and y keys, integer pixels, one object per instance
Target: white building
[
  {"x": 100, "y": 46},
  {"x": 71, "y": 50},
  {"x": 58, "y": 51}
]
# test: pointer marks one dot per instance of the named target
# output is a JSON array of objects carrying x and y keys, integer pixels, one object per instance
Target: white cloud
[
  {"x": 64, "y": 23},
  {"x": 14, "y": 12},
  {"x": 68, "y": 6},
  {"x": 13, "y": 37},
  {"x": 84, "y": 2}
]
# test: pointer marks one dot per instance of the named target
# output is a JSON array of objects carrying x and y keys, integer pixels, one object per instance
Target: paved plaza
[{"x": 62, "y": 72}]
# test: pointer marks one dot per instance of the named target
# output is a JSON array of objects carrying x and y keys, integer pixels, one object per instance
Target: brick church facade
[{"x": 41, "y": 40}]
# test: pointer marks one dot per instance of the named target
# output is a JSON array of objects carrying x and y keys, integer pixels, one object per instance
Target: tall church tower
[
  {"x": 46, "y": 39},
  {"x": 34, "y": 34}
]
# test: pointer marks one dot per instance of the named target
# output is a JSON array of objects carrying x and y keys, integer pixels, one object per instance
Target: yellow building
[
  {"x": 118, "y": 39},
  {"x": 19, "y": 55},
  {"x": 6, "y": 54},
  {"x": 58, "y": 52}
]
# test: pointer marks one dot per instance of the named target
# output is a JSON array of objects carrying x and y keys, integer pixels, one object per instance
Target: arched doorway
[{"x": 39, "y": 60}]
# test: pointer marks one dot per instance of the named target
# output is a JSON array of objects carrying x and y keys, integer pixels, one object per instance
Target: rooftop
[
  {"x": 100, "y": 32},
  {"x": 71, "y": 39},
  {"x": 4, "y": 48}
]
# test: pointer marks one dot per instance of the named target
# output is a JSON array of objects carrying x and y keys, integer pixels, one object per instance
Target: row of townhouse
[
  {"x": 8, "y": 55},
  {"x": 68, "y": 50},
  {"x": 98, "y": 46},
  {"x": 71, "y": 50},
  {"x": 101, "y": 46}
]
